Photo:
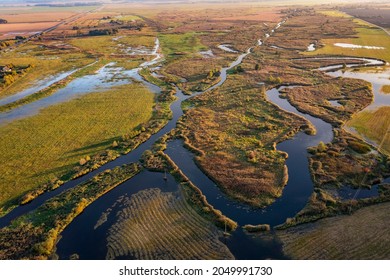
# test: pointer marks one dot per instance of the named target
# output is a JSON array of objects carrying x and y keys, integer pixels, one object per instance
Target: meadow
[
  {"x": 375, "y": 125},
  {"x": 49, "y": 145}
]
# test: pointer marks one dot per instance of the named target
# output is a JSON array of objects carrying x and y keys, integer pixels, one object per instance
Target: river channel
[{"x": 89, "y": 242}]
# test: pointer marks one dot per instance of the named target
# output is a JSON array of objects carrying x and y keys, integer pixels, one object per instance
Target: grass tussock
[
  {"x": 347, "y": 161},
  {"x": 385, "y": 89}
]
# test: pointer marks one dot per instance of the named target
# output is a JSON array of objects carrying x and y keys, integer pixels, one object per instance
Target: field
[
  {"x": 362, "y": 235},
  {"x": 155, "y": 225},
  {"x": 375, "y": 125},
  {"x": 376, "y": 16},
  {"x": 366, "y": 36},
  {"x": 51, "y": 144},
  {"x": 11, "y": 30}
]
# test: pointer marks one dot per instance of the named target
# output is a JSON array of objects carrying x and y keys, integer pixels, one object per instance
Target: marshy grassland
[
  {"x": 362, "y": 235},
  {"x": 158, "y": 225},
  {"x": 46, "y": 60},
  {"x": 51, "y": 144},
  {"x": 235, "y": 129}
]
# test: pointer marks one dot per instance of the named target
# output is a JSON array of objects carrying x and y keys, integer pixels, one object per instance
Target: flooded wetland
[{"x": 252, "y": 133}]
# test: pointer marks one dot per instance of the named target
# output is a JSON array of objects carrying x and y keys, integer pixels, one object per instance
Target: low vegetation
[
  {"x": 375, "y": 125},
  {"x": 256, "y": 228},
  {"x": 364, "y": 34},
  {"x": 36, "y": 233},
  {"x": 385, "y": 89},
  {"x": 90, "y": 123},
  {"x": 50, "y": 58},
  {"x": 353, "y": 95},
  {"x": 154, "y": 225},
  {"x": 347, "y": 161},
  {"x": 362, "y": 235},
  {"x": 236, "y": 129}
]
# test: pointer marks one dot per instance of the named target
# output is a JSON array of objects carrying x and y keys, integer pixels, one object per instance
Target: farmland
[
  {"x": 165, "y": 227},
  {"x": 362, "y": 235}
]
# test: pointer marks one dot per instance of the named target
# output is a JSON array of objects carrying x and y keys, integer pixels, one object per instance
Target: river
[{"x": 89, "y": 242}]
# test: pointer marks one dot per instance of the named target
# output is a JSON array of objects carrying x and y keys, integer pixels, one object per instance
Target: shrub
[
  {"x": 321, "y": 147},
  {"x": 257, "y": 228},
  {"x": 360, "y": 148}
]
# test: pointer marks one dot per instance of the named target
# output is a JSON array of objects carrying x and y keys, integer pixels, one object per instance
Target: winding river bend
[{"x": 89, "y": 242}]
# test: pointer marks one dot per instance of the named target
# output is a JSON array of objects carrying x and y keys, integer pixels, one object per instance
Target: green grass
[
  {"x": 137, "y": 41},
  {"x": 374, "y": 125},
  {"x": 367, "y": 35},
  {"x": 45, "y": 63},
  {"x": 128, "y": 17},
  {"x": 187, "y": 43},
  {"x": 48, "y": 145},
  {"x": 100, "y": 44}
]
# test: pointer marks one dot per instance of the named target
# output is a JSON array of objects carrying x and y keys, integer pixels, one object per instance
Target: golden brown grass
[
  {"x": 362, "y": 235},
  {"x": 374, "y": 125},
  {"x": 385, "y": 89},
  {"x": 156, "y": 225},
  {"x": 353, "y": 94},
  {"x": 236, "y": 129}
]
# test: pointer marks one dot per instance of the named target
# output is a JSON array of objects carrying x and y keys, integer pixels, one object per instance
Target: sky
[{"x": 32, "y": 2}]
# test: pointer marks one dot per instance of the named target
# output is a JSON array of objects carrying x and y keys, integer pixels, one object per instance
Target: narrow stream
[
  {"x": 106, "y": 77},
  {"x": 42, "y": 84}
]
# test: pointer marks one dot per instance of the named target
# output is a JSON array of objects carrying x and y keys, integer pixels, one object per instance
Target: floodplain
[{"x": 281, "y": 114}]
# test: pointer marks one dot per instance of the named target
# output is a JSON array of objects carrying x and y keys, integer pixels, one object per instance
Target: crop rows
[
  {"x": 156, "y": 225},
  {"x": 363, "y": 235}
]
